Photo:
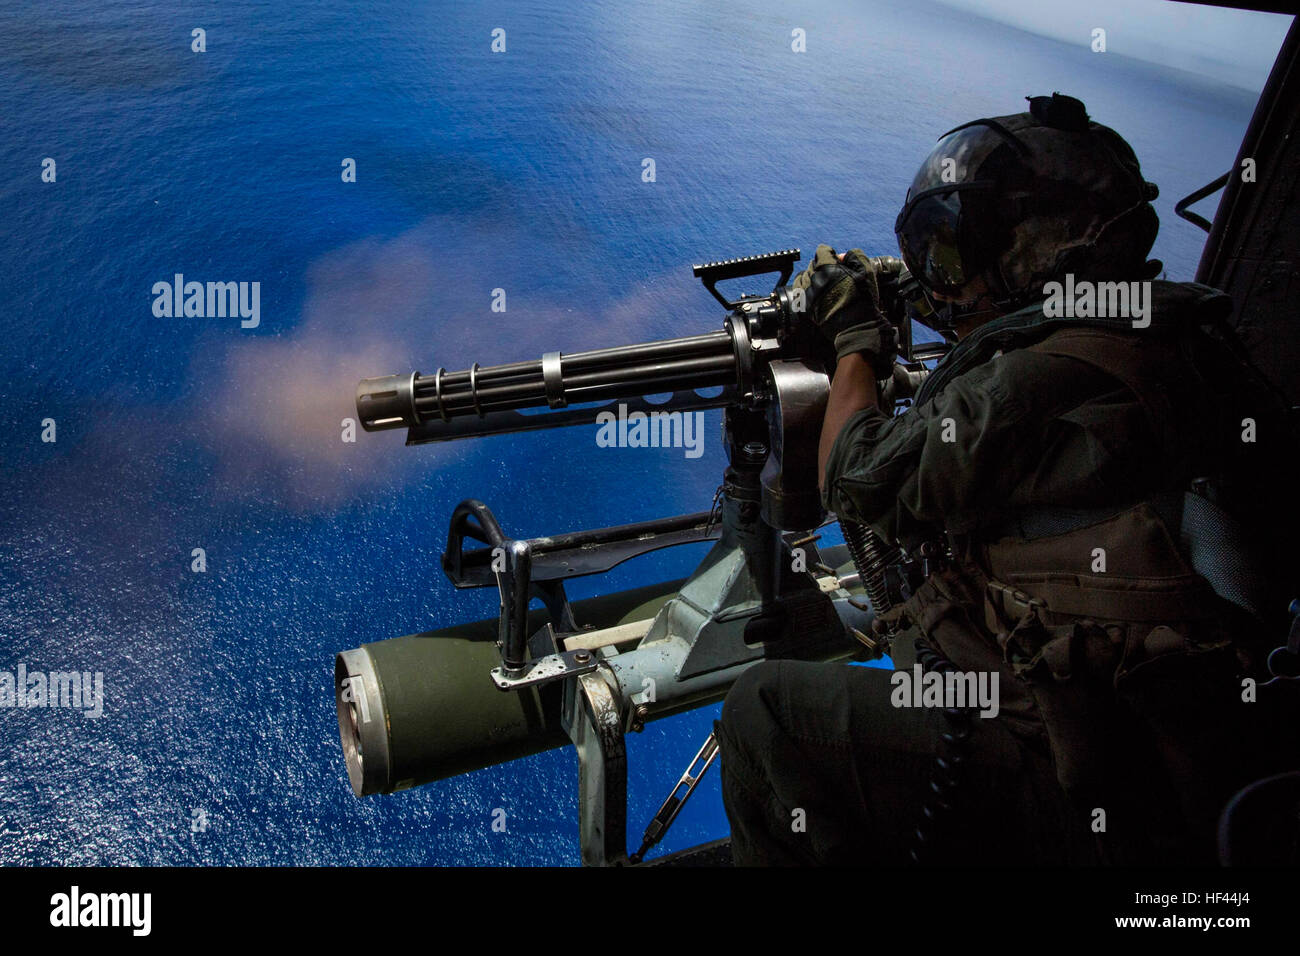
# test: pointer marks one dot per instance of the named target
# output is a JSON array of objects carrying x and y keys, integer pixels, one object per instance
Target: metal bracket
[
  {"x": 546, "y": 669},
  {"x": 538, "y": 568},
  {"x": 592, "y": 720},
  {"x": 562, "y": 556}
]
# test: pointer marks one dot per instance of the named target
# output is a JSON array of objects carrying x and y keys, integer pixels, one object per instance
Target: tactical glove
[{"x": 843, "y": 300}]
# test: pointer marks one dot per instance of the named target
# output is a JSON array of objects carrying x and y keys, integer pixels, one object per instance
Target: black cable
[{"x": 946, "y": 775}]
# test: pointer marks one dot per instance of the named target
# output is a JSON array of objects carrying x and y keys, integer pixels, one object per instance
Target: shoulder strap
[{"x": 1145, "y": 366}]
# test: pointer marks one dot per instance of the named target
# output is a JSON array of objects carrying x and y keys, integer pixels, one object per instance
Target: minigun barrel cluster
[{"x": 555, "y": 381}]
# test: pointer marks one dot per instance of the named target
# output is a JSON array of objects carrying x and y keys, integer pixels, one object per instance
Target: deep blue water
[{"x": 476, "y": 171}]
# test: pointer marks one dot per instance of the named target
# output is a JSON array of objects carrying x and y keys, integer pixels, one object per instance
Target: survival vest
[{"x": 1121, "y": 633}]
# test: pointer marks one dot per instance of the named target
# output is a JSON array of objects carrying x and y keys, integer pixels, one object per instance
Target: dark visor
[{"x": 929, "y": 230}]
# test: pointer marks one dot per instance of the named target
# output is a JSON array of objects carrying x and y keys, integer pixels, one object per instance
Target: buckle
[{"x": 1012, "y": 602}]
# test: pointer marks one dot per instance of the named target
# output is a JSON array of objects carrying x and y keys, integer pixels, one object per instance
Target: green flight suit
[{"x": 1053, "y": 455}]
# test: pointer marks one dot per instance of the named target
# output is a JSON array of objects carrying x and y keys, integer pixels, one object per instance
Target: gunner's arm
[{"x": 853, "y": 388}]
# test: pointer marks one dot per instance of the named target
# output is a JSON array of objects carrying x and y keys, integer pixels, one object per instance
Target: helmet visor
[{"x": 929, "y": 238}]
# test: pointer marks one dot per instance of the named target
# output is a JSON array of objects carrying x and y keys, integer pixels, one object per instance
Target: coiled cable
[{"x": 946, "y": 775}]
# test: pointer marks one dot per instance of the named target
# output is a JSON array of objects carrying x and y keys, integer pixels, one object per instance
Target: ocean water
[{"x": 475, "y": 171}]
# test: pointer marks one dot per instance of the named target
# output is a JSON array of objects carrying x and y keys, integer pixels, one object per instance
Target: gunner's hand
[{"x": 842, "y": 299}]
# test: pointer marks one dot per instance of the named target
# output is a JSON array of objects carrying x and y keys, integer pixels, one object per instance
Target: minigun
[{"x": 427, "y": 706}]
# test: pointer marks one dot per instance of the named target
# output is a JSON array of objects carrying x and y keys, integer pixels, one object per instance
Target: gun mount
[{"x": 423, "y": 707}]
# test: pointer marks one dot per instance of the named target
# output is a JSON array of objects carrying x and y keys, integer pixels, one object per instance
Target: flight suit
[{"x": 1053, "y": 457}]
